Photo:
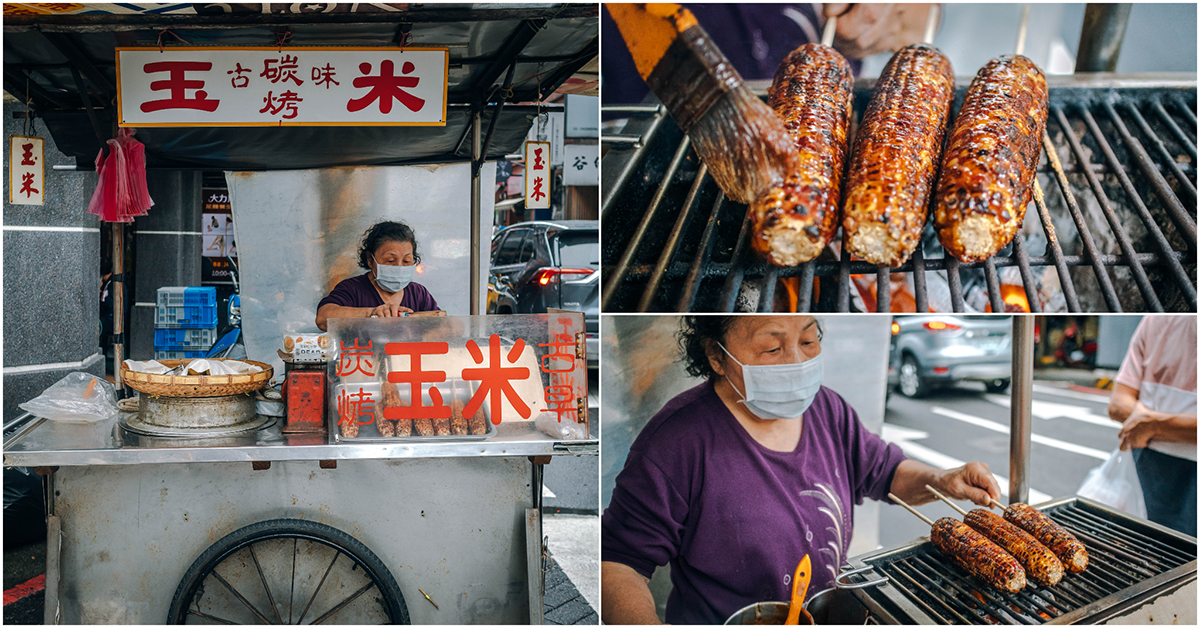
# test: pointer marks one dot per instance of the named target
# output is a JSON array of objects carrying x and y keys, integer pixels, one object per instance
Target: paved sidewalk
[{"x": 573, "y": 583}]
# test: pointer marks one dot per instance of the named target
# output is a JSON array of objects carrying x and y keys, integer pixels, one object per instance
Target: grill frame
[
  {"x": 650, "y": 257},
  {"x": 891, "y": 604}
]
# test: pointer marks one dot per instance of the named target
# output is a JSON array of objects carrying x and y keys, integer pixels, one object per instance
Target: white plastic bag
[
  {"x": 548, "y": 424},
  {"x": 1115, "y": 483},
  {"x": 76, "y": 397}
]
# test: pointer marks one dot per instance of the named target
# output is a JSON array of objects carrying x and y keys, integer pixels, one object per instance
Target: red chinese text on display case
[{"x": 465, "y": 377}]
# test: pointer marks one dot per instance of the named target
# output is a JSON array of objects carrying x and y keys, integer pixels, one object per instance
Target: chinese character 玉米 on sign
[
  {"x": 537, "y": 175},
  {"x": 26, "y": 172},
  {"x": 269, "y": 87}
]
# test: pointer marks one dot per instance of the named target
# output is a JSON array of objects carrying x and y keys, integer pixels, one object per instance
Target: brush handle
[{"x": 676, "y": 57}]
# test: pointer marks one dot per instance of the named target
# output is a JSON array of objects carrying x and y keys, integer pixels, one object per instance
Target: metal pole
[
  {"x": 1021, "y": 431},
  {"x": 118, "y": 285},
  {"x": 477, "y": 163},
  {"x": 1101, "y": 37}
]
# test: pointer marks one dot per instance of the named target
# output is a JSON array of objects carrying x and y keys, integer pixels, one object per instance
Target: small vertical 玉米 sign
[
  {"x": 26, "y": 172},
  {"x": 537, "y": 175}
]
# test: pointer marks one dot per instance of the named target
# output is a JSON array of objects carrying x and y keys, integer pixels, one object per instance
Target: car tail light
[
  {"x": 941, "y": 370},
  {"x": 546, "y": 275},
  {"x": 941, "y": 326},
  {"x": 895, "y": 328}
]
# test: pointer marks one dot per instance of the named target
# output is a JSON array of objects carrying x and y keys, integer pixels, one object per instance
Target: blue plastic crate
[
  {"x": 177, "y": 296},
  {"x": 178, "y": 355},
  {"x": 186, "y": 317},
  {"x": 186, "y": 338}
]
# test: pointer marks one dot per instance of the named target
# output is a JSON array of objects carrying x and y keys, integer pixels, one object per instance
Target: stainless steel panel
[
  {"x": 53, "y": 443},
  {"x": 455, "y": 528}
]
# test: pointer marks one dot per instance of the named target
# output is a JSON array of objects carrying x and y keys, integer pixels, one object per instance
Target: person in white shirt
[{"x": 1155, "y": 400}]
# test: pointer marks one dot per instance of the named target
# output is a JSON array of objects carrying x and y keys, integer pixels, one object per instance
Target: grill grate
[
  {"x": 1117, "y": 223},
  {"x": 1120, "y": 557}
]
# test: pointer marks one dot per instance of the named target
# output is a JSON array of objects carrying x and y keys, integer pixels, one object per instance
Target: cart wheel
[{"x": 288, "y": 571}]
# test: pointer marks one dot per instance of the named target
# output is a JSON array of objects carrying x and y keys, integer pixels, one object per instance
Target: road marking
[
  {"x": 903, "y": 438},
  {"x": 1070, "y": 394},
  {"x": 22, "y": 591},
  {"x": 1037, "y": 438},
  {"x": 546, "y": 492},
  {"x": 1049, "y": 410}
]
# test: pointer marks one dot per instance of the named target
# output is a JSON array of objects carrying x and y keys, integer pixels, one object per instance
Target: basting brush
[{"x": 743, "y": 142}]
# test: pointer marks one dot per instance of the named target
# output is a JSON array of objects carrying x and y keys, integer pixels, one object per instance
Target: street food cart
[
  {"x": 149, "y": 528},
  {"x": 190, "y": 508}
]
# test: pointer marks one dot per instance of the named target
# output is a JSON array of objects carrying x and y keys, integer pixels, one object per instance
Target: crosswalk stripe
[
  {"x": 1070, "y": 394},
  {"x": 1049, "y": 411},
  {"x": 1037, "y": 438},
  {"x": 934, "y": 458}
]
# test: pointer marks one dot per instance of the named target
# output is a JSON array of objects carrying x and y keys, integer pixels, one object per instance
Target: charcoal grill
[
  {"x": 1130, "y": 562},
  {"x": 1117, "y": 224}
]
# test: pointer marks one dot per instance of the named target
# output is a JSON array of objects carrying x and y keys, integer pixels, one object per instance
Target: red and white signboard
[
  {"x": 26, "y": 172},
  {"x": 288, "y": 87},
  {"x": 537, "y": 175}
]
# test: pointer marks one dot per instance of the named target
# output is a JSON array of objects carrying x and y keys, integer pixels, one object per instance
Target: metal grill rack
[
  {"x": 1127, "y": 561},
  {"x": 1118, "y": 222}
]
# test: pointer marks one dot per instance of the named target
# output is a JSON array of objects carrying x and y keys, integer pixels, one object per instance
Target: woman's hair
[
  {"x": 385, "y": 231},
  {"x": 696, "y": 330},
  {"x": 692, "y": 337}
]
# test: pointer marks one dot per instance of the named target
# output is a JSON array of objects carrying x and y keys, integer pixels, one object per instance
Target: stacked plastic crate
[{"x": 185, "y": 322}]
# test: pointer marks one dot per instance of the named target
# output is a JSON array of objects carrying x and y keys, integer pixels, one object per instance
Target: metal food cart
[
  {"x": 267, "y": 526},
  {"x": 457, "y": 519}
]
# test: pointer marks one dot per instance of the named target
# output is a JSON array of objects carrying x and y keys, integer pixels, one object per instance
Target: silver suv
[{"x": 928, "y": 351}]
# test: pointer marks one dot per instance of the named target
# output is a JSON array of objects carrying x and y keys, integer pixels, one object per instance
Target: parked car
[
  {"x": 930, "y": 351},
  {"x": 551, "y": 264}
]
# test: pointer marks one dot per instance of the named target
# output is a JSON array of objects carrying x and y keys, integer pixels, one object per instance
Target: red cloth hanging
[{"x": 121, "y": 192}]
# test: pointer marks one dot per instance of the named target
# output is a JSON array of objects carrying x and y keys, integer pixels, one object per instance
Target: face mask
[
  {"x": 393, "y": 278},
  {"x": 779, "y": 391}
]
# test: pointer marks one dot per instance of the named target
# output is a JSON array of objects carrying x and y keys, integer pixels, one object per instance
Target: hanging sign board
[
  {"x": 288, "y": 87},
  {"x": 26, "y": 172},
  {"x": 537, "y": 175},
  {"x": 581, "y": 164}
]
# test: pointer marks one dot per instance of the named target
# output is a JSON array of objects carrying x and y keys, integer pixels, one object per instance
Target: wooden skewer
[
  {"x": 1020, "y": 48},
  {"x": 946, "y": 499},
  {"x": 996, "y": 503},
  {"x": 931, "y": 22},
  {"x": 830, "y": 27},
  {"x": 910, "y": 509}
]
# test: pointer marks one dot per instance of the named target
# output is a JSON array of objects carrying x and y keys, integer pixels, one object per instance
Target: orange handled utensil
[{"x": 799, "y": 589}]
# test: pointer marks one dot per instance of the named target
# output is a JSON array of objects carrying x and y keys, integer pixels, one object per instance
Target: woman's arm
[
  {"x": 971, "y": 481},
  {"x": 333, "y": 310},
  {"x": 626, "y": 596}
]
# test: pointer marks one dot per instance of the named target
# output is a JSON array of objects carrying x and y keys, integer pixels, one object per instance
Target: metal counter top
[{"x": 41, "y": 442}]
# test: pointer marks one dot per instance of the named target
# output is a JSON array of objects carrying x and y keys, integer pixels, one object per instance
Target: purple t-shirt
[
  {"x": 734, "y": 518},
  {"x": 360, "y": 292}
]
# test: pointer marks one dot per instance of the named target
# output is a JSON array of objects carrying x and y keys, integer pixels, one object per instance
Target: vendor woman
[
  {"x": 735, "y": 480},
  {"x": 388, "y": 251}
]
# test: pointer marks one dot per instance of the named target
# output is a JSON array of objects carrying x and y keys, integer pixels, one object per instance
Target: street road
[{"x": 1071, "y": 434}]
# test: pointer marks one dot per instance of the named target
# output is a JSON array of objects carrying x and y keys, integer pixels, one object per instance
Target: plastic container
[
  {"x": 178, "y": 355},
  {"x": 186, "y": 317},
  {"x": 179, "y": 296},
  {"x": 184, "y": 339}
]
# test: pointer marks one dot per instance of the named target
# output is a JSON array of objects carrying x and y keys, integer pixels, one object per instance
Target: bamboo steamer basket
[{"x": 196, "y": 385}]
